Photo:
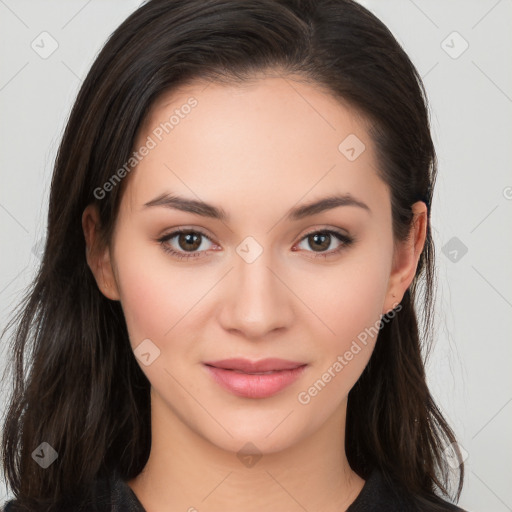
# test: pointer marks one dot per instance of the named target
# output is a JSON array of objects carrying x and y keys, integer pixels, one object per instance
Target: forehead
[{"x": 271, "y": 140}]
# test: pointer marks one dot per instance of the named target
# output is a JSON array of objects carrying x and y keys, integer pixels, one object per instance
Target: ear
[
  {"x": 98, "y": 253},
  {"x": 406, "y": 256}
]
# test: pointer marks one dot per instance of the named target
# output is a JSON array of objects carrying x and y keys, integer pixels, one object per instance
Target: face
[{"x": 264, "y": 277}]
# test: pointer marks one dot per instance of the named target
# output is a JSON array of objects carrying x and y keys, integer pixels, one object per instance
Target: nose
[{"x": 256, "y": 299}]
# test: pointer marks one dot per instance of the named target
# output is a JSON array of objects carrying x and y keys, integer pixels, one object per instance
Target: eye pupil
[
  {"x": 324, "y": 236},
  {"x": 188, "y": 238}
]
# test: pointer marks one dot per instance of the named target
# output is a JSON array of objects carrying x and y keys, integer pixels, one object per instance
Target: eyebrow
[{"x": 299, "y": 212}]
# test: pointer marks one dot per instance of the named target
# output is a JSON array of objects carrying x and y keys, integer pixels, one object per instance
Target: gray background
[{"x": 469, "y": 84}]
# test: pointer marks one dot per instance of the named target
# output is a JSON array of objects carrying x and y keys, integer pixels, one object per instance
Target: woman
[{"x": 224, "y": 317}]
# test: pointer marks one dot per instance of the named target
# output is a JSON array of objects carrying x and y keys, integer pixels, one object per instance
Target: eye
[
  {"x": 322, "y": 240},
  {"x": 188, "y": 243}
]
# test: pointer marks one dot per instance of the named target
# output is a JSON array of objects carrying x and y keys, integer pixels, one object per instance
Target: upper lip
[{"x": 247, "y": 366}]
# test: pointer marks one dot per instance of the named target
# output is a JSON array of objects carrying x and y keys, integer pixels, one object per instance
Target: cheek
[
  {"x": 348, "y": 300},
  {"x": 349, "y": 304},
  {"x": 155, "y": 297},
  {"x": 348, "y": 297}
]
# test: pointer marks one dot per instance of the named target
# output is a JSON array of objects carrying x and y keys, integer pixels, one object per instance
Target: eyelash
[{"x": 346, "y": 240}]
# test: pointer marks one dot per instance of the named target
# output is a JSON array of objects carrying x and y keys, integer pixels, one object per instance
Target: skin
[{"x": 255, "y": 150}]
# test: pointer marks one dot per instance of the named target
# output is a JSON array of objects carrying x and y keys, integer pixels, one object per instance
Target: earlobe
[
  {"x": 98, "y": 254},
  {"x": 406, "y": 258}
]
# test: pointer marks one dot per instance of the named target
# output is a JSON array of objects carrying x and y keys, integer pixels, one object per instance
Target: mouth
[
  {"x": 255, "y": 367},
  {"x": 260, "y": 379}
]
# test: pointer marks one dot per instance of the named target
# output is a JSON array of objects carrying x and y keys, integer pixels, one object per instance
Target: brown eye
[
  {"x": 320, "y": 241},
  {"x": 184, "y": 243},
  {"x": 189, "y": 241}
]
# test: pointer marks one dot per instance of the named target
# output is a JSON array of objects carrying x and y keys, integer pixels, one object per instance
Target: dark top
[{"x": 375, "y": 496}]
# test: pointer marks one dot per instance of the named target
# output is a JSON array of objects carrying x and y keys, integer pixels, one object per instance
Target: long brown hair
[{"x": 76, "y": 383}]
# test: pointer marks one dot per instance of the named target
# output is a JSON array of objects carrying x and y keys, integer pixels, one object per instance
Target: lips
[
  {"x": 255, "y": 367},
  {"x": 254, "y": 379}
]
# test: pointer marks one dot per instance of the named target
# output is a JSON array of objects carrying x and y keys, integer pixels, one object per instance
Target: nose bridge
[
  {"x": 255, "y": 277},
  {"x": 259, "y": 301}
]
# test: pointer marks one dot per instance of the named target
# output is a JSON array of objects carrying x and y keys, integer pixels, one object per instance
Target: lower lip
[{"x": 255, "y": 386}]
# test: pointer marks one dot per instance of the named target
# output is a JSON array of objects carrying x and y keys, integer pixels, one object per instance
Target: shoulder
[
  {"x": 381, "y": 494},
  {"x": 69, "y": 506},
  {"x": 107, "y": 494}
]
